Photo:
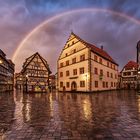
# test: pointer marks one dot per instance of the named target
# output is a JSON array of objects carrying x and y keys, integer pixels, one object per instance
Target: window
[
  {"x": 82, "y": 83},
  {"x": 107, "y": 84},
  {"x": 72, "y": 42},
  {"x": 135, "y": 73},
  {"x": 73, "y": 60},
  {"x": 107, "y": 74},
  {"x": 61, "y": 74},
  {"x": 74, "y": 51},
  {"x": 68, "y": 45},
  {"x": 67, "y": 73},
  {"x": 101, "y": 72},
  {"x": 67, "y": 84},
  {"x": 111, "y": 65},
  {"x": 75, "y": 72},
  {"x": 126, "y": 73},
  {"x": 100, "y": 60},
  {"x": 61, "y": 84},
  {"x": 111, "y": 84},
  {"x": 95, "y": 58},
  {"x": 115, "y": 76},
  {"x": 96, "y": 84},
  {"x": 111, "y": 75},
  {"x": 95, "y": 70},
  {"x": 81, "y": 70},
  {"x": 103, "y": 84},
  {"x": 67, "y": 62},
  {"x": 114, "y": 67},
  {"x": 66, "y": 54},
  {"x": 114, "y": 84},
  {"x": 82, "y": 57},
  {"x": 107, "y": 64},
  {"x": 61, "y": 65}
]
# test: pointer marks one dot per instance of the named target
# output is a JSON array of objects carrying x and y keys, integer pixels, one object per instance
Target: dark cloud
[
  {"x": 118, "y": 35},
  {"x": 118, "y": 38}
]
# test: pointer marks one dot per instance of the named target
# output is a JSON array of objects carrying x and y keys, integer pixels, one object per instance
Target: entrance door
[{"x": 73, "y": 86}]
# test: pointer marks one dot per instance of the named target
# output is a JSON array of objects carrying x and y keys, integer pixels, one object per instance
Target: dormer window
[
  {"x": 68, "y": 45},
  {"x": 66, "y": 54},
  {"x": 72, "y": 42}
]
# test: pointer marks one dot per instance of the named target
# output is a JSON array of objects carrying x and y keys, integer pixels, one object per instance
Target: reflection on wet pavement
[{"x": 106, "y": 115}]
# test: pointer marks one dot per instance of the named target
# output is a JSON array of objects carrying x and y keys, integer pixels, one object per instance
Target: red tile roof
[
  {"x": 52, "y": 76},
  {"x": 97, "y": 50},
  {"x": 131, "y": 65}
]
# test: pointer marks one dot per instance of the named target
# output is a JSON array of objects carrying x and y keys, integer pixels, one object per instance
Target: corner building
[
  {"x": 7, "y": 68},
  {"x": 86, "y": 68},
  {"x": 129, "y": 75}
]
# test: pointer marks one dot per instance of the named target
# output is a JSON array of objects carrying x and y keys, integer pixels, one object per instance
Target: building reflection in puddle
[
  {"x": 18, "y": 97},
  {"x": 51, "y": 105},
  {"x": 139, "y": 105},
  {"x": 86, "y": 105},
  {"x": 26, "y": 108},
  {"x": 22, "y": 108}
]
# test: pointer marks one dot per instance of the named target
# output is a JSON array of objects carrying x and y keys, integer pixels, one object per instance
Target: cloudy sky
[{"x": 118, "y": 33}]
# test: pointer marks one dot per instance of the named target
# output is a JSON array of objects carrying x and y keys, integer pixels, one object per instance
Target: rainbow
[{"x": 35, "y": 30}]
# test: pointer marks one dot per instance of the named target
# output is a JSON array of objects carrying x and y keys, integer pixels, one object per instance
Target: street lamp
[{"x": 26, "y": 83}]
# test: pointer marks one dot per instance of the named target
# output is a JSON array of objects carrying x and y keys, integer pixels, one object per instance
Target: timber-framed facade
[{"x": 35, "y": 74}]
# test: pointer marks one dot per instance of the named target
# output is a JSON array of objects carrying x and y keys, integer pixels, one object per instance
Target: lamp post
[
  {"x": 26, "y": 83},
  {"x": 20, "y": 85}
]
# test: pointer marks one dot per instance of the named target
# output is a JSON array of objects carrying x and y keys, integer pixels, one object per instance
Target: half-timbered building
[
  {"x": 129, "y": 75},
  {"x": 35, "y": 74}
]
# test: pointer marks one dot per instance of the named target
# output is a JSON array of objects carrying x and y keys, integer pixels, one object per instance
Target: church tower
[{"x": 138, "y": 52}]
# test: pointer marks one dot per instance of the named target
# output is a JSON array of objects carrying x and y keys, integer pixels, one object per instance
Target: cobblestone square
[{"x": 110, "y": 115}]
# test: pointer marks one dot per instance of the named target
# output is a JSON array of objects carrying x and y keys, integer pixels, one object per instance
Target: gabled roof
[
  {"x": 2, "y": 53},
  {"x": 10, "y": 61},
  {"x": 131, "y": 65},
  {"x": 29, "y": 59},
  {"x": 96, "y": 50}
]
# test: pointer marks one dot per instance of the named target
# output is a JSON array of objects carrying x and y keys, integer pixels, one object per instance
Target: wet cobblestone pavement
[{"x": 111, "y": 115}]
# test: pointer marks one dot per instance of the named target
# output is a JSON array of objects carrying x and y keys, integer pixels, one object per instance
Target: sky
[{"x": 117, "y": 34}]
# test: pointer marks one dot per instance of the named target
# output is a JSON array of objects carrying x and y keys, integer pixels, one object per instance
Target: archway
[{"x": 73, "y": 86}]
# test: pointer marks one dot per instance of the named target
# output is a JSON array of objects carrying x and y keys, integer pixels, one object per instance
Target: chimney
[{"x": 102, "y": 47}]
